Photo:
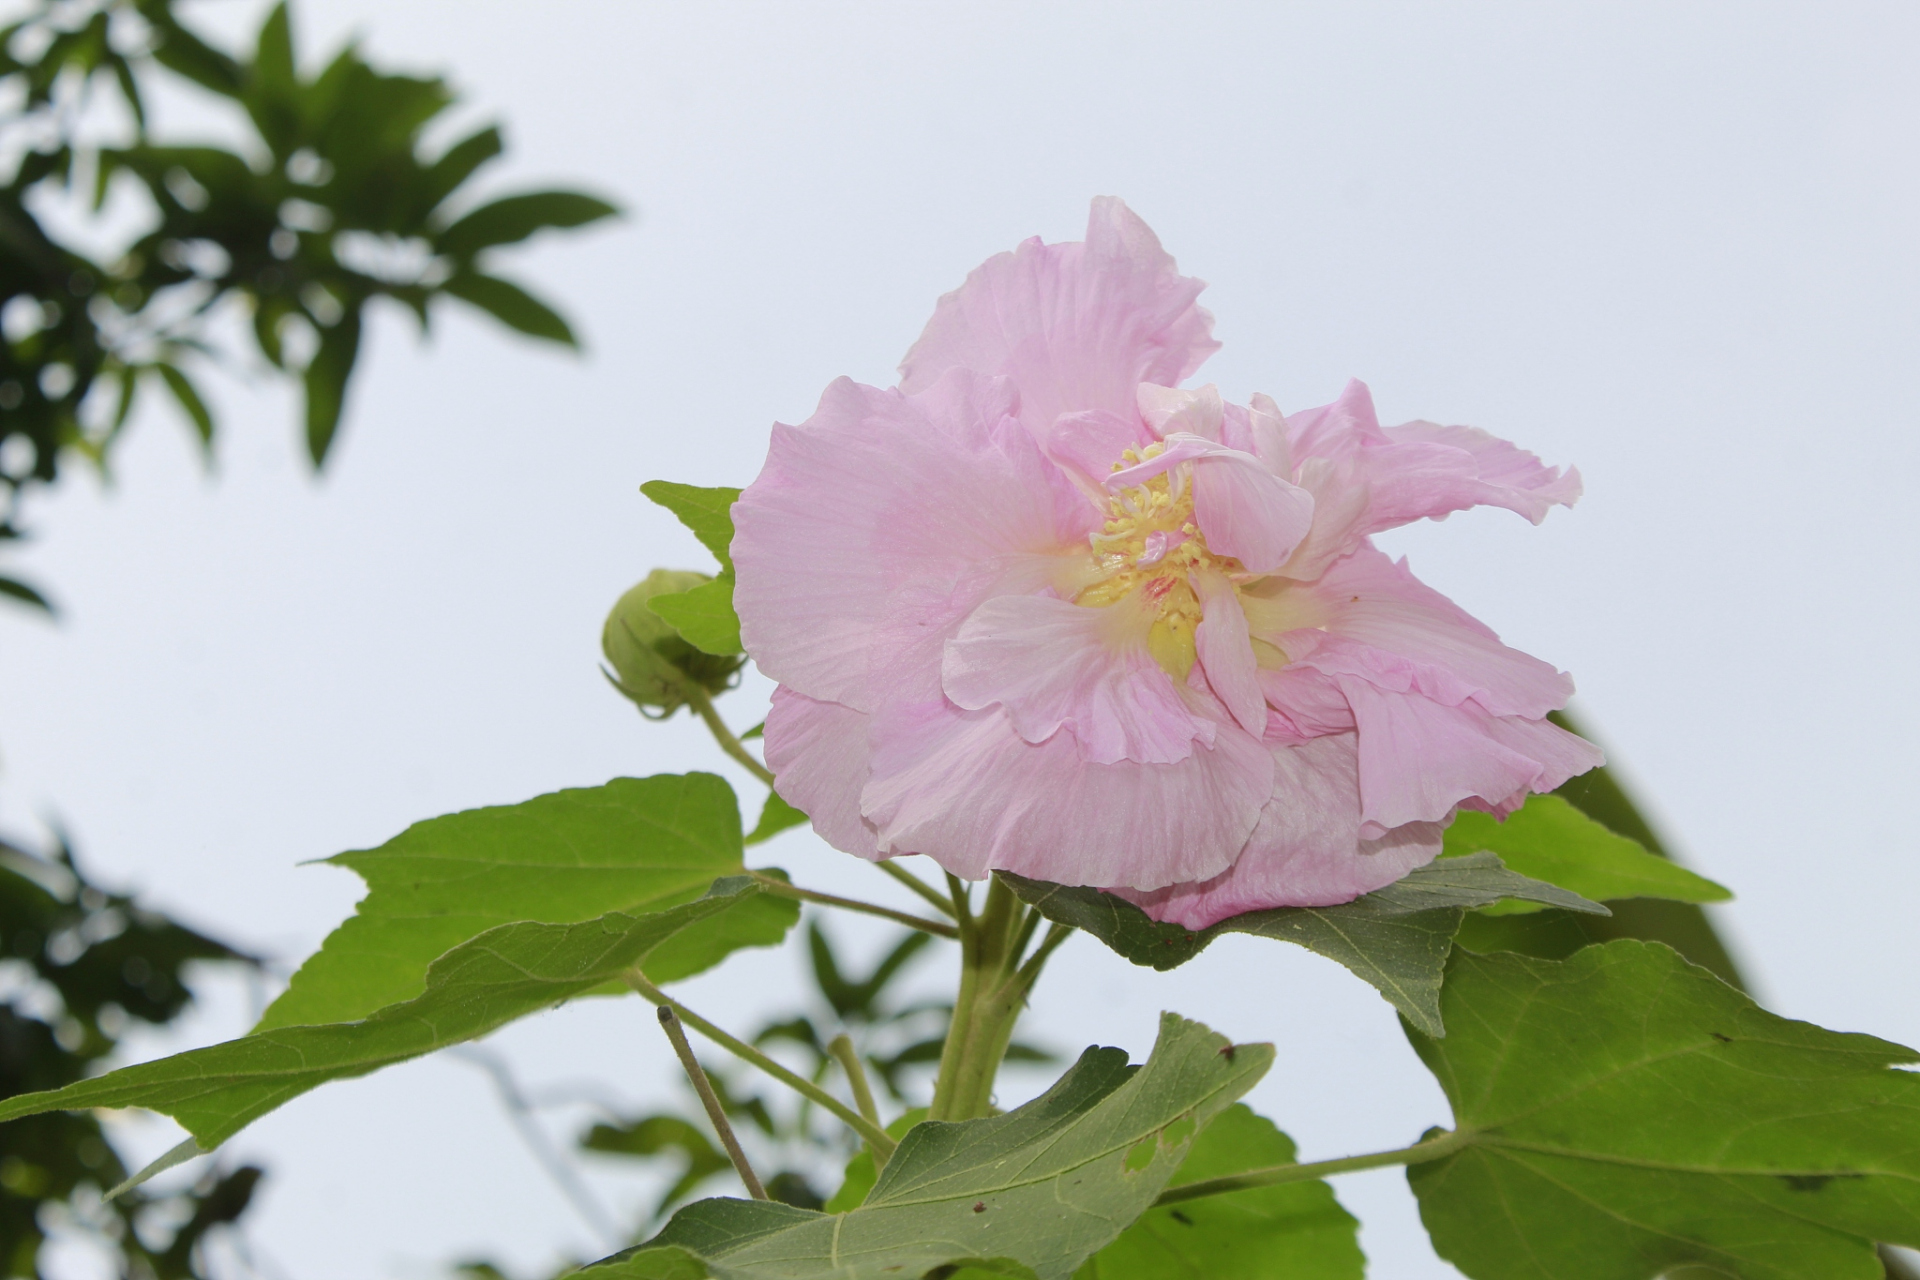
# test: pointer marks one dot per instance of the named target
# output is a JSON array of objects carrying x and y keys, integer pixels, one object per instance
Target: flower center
[{"x": 1146, "y": 549}]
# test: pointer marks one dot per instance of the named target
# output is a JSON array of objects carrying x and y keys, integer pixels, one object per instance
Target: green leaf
[
  {"x": 775, "y": 816},
  {"x": 1396, "y": 938},
  {"x": 514, "y": 218},
  {"x": 190, "y": 403},
  {"x": 703, "y": 615},
  {"x": 25, "y": 594},
  {"x": 708, "y": 513},
  {"x": 637, "y": 845},
  {"x": 511, "y": 305},
  {"x": 1550, "y": 840},
  {"x": 860, "y": 1175},
  {"x": 1297, "y": 1229},
  {"x": 1033, "y": 1192},
  {"x": 326, "y": 382},
  {"x": 1627, "y": 1114},
  {"x": 504, "y": 974}
]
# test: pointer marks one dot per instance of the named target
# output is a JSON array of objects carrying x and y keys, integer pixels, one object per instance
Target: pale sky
[{"x": 1674, "y": 245}]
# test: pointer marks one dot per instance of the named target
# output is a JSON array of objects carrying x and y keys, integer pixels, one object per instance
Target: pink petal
[
  {"x": 1052, "y": 665},
  {"x": 1306, "y": 850},
  {"x": 1244, "y": 510},
  {"x": 1226, "y": 653},
  {"x": 1420, "y": 639},
  {"x": 1476, "y": 469},
  {"x": 886, "y": 515},
  {"x": 1077, "y": 326},
  {"x": 818, "y": 753},
  {"x": 1169, "y": 410},
  {"x": 1090, "y": 442},
  {"x": 964, "y": 788},
  {"x": 1419, "y": 759},
  {"x": 1302, "y": 704}
]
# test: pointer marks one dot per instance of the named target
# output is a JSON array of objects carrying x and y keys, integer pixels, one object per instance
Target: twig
[
  {"x": 1418, "y": 1153},
  {"x": 703, "y": 707},
  {"x": 1030, "y": 971},
  {"x": 520, "y": 1111},
  {"x": 842, "y": 1050},
  {"x": 775, "y": 885},
  {"x": 962, "y": 902},
  {"x": 715, "y": 1112},
  {"x": 916, "y": 884},
  {"x": 873, "y": 1133}
]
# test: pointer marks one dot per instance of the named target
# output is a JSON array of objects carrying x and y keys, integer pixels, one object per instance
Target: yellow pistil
[{"x": 1147, "y": 549}]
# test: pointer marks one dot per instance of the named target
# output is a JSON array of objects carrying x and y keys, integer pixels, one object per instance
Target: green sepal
[{"x": 1395, "y": 939}]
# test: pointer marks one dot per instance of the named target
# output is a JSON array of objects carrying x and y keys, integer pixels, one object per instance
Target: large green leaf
[
  {"x": 634, "y": 845},
  {"x": 505, "y": 973},
  {"x": 1627, "y": 1114},
  {"x": 1396, "y": 938},
  {"x": 1296, "y": 1230},
  {"x": 707, "y": 512},
  {"x": 1036, "y": 1190},
  {"x": 1550, "y": 840}
]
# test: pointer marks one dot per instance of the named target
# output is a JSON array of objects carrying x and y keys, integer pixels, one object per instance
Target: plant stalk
[
  {"x": 775, "y": 885},
  {"x": 1418, "y": 1153},
  {"x": 711, "y": 1101},
  {"x": 703, "y": 707},
  {"x": 993, "y": 991}
]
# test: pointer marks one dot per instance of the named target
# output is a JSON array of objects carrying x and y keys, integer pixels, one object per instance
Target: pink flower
[{"x": 1038, "y": 610}]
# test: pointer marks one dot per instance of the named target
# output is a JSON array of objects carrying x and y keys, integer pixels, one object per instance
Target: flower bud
[{"x": 651, "y": 664}]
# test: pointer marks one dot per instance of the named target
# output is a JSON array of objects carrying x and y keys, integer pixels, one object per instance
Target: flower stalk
[{"x": 993, "y": 990}]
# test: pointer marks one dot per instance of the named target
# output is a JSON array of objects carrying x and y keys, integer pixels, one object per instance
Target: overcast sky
[{"x": 1673, "y": 244}]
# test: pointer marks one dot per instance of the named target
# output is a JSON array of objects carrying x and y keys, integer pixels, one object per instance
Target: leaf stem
[
  {"x": 962, "y": 902},
  {"x": 843, "y": 1052},
  {"x": 715, "y": 1112},
  {"x": 703, "y": 707},
  {"x": 873, "y": 1133},
  {"x": 775, "y": 885},
  {"x": 1418, "y": 1153},
  {"x": 916, "y": 884}
]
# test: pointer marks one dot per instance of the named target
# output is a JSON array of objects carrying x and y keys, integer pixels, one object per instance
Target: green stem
[
  {"x": 711, "y": 1101},
  {"x": 703, "y": 707},
  {"x": 876, "y": 1136},
  {"x": 993, "y": 990},
  {"x": 916, "y": 884},
  {"x": 962, "y": 897},
  {"x": 843, "y": 1052},
  {"x": 775, "y": 885},
  {"x": 1418, "y": 1153}
]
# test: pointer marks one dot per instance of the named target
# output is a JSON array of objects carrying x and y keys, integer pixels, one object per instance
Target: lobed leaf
[
  {"x": 636, "y": 845},
  {"x": 1395, "y": 939},
  {"x": 1628, "y": 1114},
  {"x": 1033, "y": 1192},
  {"x": 504, "y": 974},
  {"x": 1296, "y": 1229},
  {"x": 1550, "y": 840}
]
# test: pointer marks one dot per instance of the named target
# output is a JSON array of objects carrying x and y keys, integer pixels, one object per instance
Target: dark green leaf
[
  {"x": 1296, "y": 1230},
  {"x": 1552, "y": 841},
  {"x": 638, "y": 845},
  {"x": 15, "y": 589},
  {"x": 860, "y": 1175},
  {"x": 703, "y": 616},
  {"x": 1630, "y": 1114},
  {"x": 458, "y": 163},
  {"x": 1396, "y": 938},
  {"x": 775, "y": 816},
  {"x": 190, "y": 402},
  {"x": 514, "y": 218},
  {"x": 326, "y": 382},
  {"x": 1034, "y": 1191},
  {"x": 504, "y": 974},
  {"x": 708, "y": 513},
  {"x": 511, "y": 305}
]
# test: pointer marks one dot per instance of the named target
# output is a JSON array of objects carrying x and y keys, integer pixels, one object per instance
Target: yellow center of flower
[{"x": 1146, "y": 550}]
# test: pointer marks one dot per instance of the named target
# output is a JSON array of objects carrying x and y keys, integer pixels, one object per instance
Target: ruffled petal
[
  {"x": 1417, "y": 638},
  {"x": 1366, "y": 479},
  {"x": 1419, "y": 759},
  {"x": 1169, "y": 410},
  {"x": 888, "y": 518},
  {"x": 819, "y": 755},
  {"x": 1226, "y": 653},
  {"x": 1302, "y": 704},
  {"x": 1077, "y": 326},
  {"x": 1244, "y": 510},
  {"x": 964, "y": 788},
  {"x": 1090, "y": 443},
  {"x": 1053, "y": 664},
  {"x": 1306, "y": 850}
]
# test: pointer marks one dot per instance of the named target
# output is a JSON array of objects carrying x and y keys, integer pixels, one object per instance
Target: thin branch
[
  {"x": 739, "y": 1048},
  {"x": 715, "y": 1112},
  {"x": 1418, "y": 1153},
  {"x": 962, "y": 901},
  {"x": 775, "y": 885},
  {"x": 1027, "y": 927},
  {"x": 843, "y": 1052},
  {"x": 916, "y": 884},
  {"x": 703, "y": 707},
  {"x": 558, "y": 1167},
  {"x": 1030, "y": 971}
]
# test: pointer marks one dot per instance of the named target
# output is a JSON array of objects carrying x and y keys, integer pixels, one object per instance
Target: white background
[{"x": 1674, "y": 244}]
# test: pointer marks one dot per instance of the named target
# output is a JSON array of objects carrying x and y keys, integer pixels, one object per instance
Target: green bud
[{"x": 651, "y": 664}]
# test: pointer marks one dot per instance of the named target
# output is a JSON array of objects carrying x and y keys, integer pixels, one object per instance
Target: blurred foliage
[
  {"x": 78, "y": 966},
  {"x": 329, "y": 203}
]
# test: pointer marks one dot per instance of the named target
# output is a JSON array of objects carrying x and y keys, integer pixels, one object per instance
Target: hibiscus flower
[{"x": 1037, "y": 609}]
